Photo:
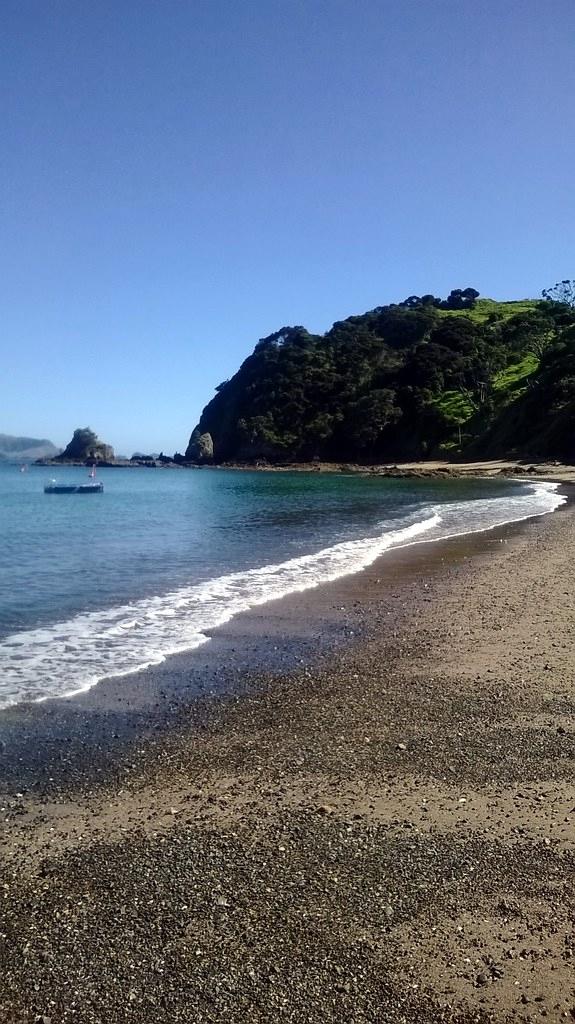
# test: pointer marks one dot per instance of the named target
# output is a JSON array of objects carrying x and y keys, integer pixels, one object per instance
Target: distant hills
[
  {"x": 26, "y": 449},
  {"x": 427, "y": 377}
]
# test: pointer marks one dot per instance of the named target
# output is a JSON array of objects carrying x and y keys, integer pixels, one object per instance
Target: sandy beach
[
  {"x": 439, "y": 468},
  {"x": 366, "y": 813}
]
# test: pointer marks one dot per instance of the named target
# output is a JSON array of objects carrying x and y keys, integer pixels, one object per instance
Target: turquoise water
[{"x": 100, "y": 585}]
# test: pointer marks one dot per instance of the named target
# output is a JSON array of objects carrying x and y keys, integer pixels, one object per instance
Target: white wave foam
[
  {"x": 69, "y": 657},
  {"x": 462, "y": 517}
]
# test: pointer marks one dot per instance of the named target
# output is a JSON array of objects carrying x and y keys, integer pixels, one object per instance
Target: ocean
[{"x": 93, "y": 586}]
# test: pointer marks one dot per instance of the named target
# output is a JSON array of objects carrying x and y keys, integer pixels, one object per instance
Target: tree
[
  {"x": 562, "y": 291},
  {"x": 461, "y": 298},
  {"x": 368, "y": 417},
  {"x": 402, "y": 327},
  {"x": 458, "y": 333},
  {"x": 532, "y": 331},
  {"x": 458, "y": 298}
]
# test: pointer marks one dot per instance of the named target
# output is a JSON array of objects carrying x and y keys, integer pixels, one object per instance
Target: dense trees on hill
[
  {"x": 459, "y": 298},
  {"x": 542, "y": 420},
  {"x": 424, "y": 377}
]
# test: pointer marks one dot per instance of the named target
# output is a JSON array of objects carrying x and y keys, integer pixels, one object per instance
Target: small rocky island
[{"x": 85, "y": 448}]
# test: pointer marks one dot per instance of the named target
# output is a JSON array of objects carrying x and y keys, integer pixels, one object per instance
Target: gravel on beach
[{"x": 384, "y": 834}]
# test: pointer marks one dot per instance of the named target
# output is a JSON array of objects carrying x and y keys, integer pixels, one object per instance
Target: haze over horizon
[{"x": 182, "y": 179}]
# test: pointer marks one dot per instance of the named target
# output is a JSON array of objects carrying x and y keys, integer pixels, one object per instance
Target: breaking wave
[{"x": 68, "y": 657}]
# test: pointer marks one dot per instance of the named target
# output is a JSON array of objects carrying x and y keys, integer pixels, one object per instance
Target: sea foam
[{"x": 68, "y": 657}]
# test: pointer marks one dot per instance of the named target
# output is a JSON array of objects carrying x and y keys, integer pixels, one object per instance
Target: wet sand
[{"x": 357, "y": 804}]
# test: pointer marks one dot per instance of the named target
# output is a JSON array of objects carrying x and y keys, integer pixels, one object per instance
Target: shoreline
[
  {"x": 557, "y": 472},
  {"x": 381, "y": 831},
  {"x": 432, "y": 468},
  {"x": 412, "y": 538},
  {"x": 269, "y": 639}
]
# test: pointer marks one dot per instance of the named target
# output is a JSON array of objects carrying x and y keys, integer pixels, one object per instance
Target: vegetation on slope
[{"x": 426, "y": 377}]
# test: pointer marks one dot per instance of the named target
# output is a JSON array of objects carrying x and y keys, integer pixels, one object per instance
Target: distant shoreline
[{"x": 555, "y": 471}]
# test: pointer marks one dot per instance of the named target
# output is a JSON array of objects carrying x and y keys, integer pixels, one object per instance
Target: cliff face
[
  {"x": 200, "y": 448},
  {"x": 85, "y": 446},
  {"x": 423, "y": 378}
]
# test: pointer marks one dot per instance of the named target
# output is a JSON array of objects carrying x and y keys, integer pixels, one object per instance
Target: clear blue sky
[{"x": 182, "y": 177}]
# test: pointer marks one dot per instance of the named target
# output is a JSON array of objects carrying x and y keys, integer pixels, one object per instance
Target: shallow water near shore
[{"x": 103, "y": 585}]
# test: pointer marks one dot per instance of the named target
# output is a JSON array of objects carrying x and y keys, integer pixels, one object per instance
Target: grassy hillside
[
  {"x": 486, "y": 309},
  {"x": 514, "y": 379}
]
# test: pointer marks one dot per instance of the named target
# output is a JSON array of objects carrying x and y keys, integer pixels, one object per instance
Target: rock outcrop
[
  {"x": 200, "y": 448},
  {"x": 86, "y": 446}
]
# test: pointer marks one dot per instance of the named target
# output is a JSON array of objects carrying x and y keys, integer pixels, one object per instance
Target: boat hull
[{"x": 73, "y": 489}]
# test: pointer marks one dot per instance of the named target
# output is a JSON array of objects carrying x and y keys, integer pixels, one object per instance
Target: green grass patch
[
  {"x": 514, "y": 377},
  {"x": 455, "y": 406},
  {"x": 484, "y": 308}
]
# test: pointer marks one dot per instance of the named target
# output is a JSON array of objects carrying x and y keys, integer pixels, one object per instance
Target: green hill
[{"x": 464, "y": 376}]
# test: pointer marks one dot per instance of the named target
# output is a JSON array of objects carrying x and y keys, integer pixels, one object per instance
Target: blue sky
[{"x": 182, "y": 177}]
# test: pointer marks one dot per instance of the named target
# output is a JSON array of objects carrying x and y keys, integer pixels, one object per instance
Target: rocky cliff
[{"x": 86, "y": 446}]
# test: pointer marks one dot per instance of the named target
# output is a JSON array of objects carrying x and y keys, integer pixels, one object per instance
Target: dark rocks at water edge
[{"x": 86, "y": 449}]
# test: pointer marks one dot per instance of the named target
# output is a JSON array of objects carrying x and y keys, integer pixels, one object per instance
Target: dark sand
[{"x": 371, "y": 820}]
